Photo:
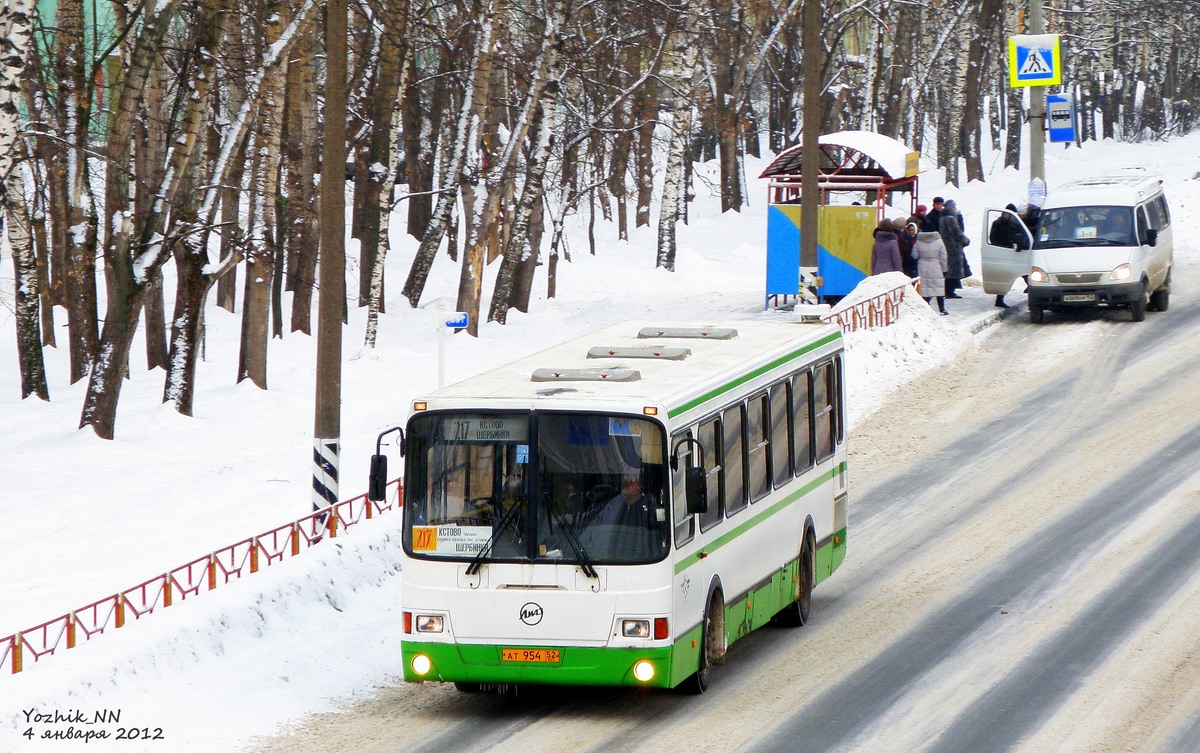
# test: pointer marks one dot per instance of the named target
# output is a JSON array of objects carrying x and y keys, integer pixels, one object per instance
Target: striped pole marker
[{"x": 325, "y": 472}]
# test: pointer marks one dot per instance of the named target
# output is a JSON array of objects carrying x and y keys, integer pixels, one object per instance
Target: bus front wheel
[{"x": 712, "y": 645}]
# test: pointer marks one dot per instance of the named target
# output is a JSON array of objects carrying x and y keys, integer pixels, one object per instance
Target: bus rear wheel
[
  {"x": 796, "y": 614},
  {"x": 712, "y": 645}
]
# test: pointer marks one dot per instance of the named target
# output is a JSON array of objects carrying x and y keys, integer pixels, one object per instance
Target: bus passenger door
[{"x": 1005, "y": 253}]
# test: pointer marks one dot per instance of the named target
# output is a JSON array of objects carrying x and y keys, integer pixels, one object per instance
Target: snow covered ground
[{"x": 86, "y": 518}]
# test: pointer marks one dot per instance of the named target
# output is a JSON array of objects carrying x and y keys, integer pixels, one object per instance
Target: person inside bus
[{"x": 630, "y": 507}]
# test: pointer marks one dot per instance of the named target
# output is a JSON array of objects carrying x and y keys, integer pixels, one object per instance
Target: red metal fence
[
  {"x": 191, "y": 579},
  {"x": 879, "y": 311}
]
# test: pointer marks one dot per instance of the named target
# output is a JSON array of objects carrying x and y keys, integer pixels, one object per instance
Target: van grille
[{"x": 1091, "y": 278}]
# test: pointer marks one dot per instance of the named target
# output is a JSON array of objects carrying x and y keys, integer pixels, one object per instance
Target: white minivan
[{"x": 1096, "y": 241}]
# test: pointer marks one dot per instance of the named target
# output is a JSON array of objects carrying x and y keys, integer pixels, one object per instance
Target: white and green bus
[{"x": 618, "y": 509}]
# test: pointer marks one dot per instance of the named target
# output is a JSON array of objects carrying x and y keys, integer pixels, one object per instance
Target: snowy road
[{"x": 1024, "y": 576}]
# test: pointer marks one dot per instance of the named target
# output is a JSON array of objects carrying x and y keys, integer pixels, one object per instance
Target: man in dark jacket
[
  {"x": 931, "y": 222},
  {"x": 1007, "y": 232},
  {"x": 956, "y": 240}
]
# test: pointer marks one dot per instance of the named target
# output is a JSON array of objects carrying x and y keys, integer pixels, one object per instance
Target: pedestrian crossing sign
[{"x": 1034, "y": 60}]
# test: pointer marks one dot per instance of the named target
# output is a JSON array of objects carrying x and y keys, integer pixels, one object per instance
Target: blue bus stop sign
[
  {"x": 1060, "y": 117},
  {"x": 459, "y": 320}
]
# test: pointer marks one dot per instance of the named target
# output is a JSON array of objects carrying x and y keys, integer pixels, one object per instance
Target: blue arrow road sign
[{"x": 459, "y": 320}]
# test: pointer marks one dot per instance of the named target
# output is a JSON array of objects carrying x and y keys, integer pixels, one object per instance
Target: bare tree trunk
[
  {"x": 980, "y": 61},
  {"x": 647, "y": 103},
  {"x": 231, "y": 198},
  {"x": 196, "y": 275},
  {"x": 423, "y": 262},
  {"x": 149, "y": 150},
  {"x": 541, "y": 138},
  {"x": 502, "y": 174},
  {"x": 126, "y": 286},
  {"x": 79, "y": 230},
  {"x": 301, "y": 154},
  {"x": 394, "y": 67},
  {"x": 260, "y": 256}
]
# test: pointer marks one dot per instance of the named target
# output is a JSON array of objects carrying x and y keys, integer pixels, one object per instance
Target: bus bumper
[{"x": 474, "y": 663}]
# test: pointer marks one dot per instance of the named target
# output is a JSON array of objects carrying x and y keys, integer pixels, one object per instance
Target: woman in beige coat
[{"x": 930, "y": 253}]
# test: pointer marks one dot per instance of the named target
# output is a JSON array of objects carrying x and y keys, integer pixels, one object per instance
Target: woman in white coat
[{"x": 932, "y": 263}]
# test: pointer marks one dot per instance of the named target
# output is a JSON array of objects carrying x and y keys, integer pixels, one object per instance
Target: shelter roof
[{"x": 852, "y": 153}]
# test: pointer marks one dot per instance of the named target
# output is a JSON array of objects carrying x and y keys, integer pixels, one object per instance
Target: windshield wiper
[
  {"x": 1060, "y": 243},
  {"x": 569, "y": 532},
  {"x": 505, "y": 521}
]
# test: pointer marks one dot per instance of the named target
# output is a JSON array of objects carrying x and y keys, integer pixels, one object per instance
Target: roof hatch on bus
[
  {"x": 615, "y": 374},
  {"x": 639, "y": 351},
  {"x": 693, "y": 333}
]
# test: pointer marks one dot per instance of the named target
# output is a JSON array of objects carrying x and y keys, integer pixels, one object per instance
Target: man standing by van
[{"x": 950, "y": 228}]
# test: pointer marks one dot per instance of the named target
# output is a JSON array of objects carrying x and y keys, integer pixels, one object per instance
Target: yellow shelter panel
[{"x": 846, "y": 234}]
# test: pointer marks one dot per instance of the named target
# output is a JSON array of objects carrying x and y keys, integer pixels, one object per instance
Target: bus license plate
[
  {"x": 1079, "y": 297},
  {"x": 542, "y": 655}
]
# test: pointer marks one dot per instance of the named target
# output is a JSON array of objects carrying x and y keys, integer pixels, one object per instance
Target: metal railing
[
  {"x": 878, "y": 311},
  {"x": 190, "y": 579}
]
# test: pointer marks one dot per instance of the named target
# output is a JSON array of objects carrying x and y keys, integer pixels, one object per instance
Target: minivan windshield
[
  {"x": 517, "y": 486},
  {"x": 1066, "y": 227}
]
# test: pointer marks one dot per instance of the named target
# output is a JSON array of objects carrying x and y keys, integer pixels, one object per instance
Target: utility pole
[
  {"x": 810, "y": 153},
  {"x": 1037, "y": 107},
  {"x": 327, "y": 427}
]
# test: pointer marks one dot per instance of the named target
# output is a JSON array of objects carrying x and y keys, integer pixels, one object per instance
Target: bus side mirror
[
  {"x": 696, "y": 489},
  {"x": 1151, "y": 237},
  {"x": 377, "y": 484}
]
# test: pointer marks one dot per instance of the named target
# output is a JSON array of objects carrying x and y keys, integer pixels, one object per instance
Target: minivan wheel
[
  {"x": 1160, "y": 299},
  {"x": 1137, "y": 307},
  {"x": 1037, "y": 314}
]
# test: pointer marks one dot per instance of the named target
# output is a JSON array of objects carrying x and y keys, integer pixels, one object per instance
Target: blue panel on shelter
[
  {"x": 839, "y": 276},
  {"x": 783, "y": 253}
]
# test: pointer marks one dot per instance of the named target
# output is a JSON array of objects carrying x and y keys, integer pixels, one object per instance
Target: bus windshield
[
  {"x": 551, "y": 487},
  {"x": 1070, "y": 227}
]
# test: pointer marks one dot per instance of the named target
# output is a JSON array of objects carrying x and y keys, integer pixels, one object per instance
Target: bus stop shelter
[{"x": 860, "y": 173}]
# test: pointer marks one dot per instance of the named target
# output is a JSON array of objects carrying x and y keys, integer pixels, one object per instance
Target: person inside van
[{"x": 1118, "y": 228}]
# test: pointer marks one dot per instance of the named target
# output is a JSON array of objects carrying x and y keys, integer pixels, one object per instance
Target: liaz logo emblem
[{"x": 531, "y": 613}]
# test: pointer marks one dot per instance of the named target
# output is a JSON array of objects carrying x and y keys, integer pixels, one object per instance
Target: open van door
[{"x": 1005, "y": 252}]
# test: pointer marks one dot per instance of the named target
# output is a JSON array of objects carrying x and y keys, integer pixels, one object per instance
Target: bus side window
[
  {"x": 685, "y": 525},
  {"x": 709, "y": 434},
  {"x": 839, "y": 413},
  {"x": 734, "y": 459},
  {"x": 780, "y": 428},
  {"x": 823, "y": 411},
  {"x": 802, "y": 420},
  {"x": 758, "y": 447}
]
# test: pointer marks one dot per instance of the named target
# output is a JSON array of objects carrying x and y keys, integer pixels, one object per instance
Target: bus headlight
[
  {"x": 643, "y": 671},
  {"x": 421, "y": 664},
  {"x": 429, "y": 623},
  {"x": 1037, "y": 274},
  {"x": 635, "y": 628},
  {"x": 1123, "y": 272}
]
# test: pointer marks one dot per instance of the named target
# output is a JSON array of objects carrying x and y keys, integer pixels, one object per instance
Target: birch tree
[
  {"x": 16, "y": 24},
  {"x": 466, "y": 129},
  {"x": 684, "y": 54},
  {"x": 196, "y": 275}
]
